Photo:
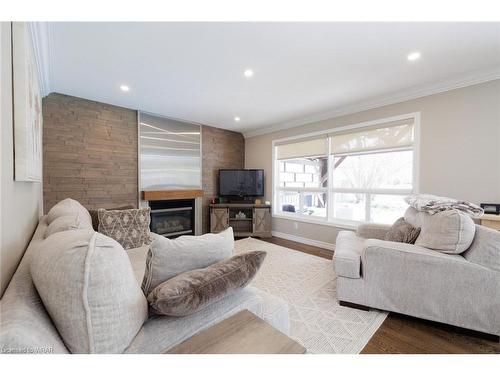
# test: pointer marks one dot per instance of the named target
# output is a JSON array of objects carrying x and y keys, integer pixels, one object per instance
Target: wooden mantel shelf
[{"x": 162, "y": 195}]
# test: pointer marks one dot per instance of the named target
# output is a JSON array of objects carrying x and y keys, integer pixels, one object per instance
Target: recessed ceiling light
[
  {"x": 413, "y": 56},
  {"x": 237, "y": 119},
  {"x": 124, "y": 88},
  {"x": 248, "y": 73}
]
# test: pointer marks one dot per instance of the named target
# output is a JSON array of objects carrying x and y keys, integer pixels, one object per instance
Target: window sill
[{"x": 351, "y": 225}]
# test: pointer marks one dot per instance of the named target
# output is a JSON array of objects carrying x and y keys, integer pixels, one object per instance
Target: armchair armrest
[{"x": 376, "y": 231}]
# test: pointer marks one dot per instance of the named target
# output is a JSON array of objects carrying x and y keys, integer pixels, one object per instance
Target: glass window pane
[
  {"x": 314, "y": 204},
  {"x": 288, "y": 201},
  {"x": 389, "y": 170},
  {"x": 304, "y": 172},
  {"x": 386, "y": 209},
  {"x": 349, "y": 206}
]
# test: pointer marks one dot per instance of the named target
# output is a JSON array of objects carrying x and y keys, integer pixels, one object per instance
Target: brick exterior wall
[
  {"x": 89, "y": 153},
  {"x": 222, "y": 149}
]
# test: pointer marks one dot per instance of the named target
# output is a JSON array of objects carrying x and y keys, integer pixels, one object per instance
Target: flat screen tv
[{"x": 241, "y": 183}]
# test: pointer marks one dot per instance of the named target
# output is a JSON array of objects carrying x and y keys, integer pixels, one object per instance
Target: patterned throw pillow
[{"x": 130, "y": 228}]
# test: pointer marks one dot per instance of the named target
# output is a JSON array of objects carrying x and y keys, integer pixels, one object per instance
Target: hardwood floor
[
  {"x": 313, "y": 250},
  {"x": 400, "y": 334}
]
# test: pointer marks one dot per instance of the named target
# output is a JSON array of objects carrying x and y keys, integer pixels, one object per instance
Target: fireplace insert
[{"x": 172, "y": 218}]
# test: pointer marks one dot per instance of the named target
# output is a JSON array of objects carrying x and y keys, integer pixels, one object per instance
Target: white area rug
[{"x": 308, "y": 283}]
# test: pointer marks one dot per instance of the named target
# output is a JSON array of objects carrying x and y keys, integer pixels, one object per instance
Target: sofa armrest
[
  {"x": 347, "y": 255},
  {"x": 377, "y": 231}
]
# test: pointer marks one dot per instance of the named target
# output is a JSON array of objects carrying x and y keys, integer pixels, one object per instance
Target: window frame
[{"x": 343, "y": 223}]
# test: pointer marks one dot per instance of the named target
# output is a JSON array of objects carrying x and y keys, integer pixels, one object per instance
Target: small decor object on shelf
[
  {"x": 240, "y": 215},
  {"x": 268, "y": 203},
  {"x": 258, "y": 201}
]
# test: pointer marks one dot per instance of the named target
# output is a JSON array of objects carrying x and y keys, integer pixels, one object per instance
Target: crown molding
[
  {"x": 40, "y": 35},
  {"x": 402, "y": 96}
]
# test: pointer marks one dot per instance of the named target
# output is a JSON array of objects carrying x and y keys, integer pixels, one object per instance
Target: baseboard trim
[{"x": 306, "y": 241}]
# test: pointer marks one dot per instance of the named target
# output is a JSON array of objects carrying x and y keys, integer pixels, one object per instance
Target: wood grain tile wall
[
  {"x": 222, "y": 149},
  {"x": 89, "y": 152}
]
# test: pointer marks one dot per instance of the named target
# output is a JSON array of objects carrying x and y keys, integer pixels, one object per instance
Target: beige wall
[
  {"x": 459, "y": 148},
  {"x": 19, "y": 201}
]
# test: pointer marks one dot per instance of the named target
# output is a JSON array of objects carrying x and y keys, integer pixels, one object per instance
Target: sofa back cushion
[
  {"x": 66, "y": 222},
  {"x": 69, "y": 206},
  {"x": 168, "y": 258},
  {"x": 485, "y": 249},
  {"x": 87, "y": 285},
  {"x": 449, "y": 231}
]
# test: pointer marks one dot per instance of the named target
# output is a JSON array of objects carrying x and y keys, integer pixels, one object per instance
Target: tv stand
[{"x": 246, "y": 219}]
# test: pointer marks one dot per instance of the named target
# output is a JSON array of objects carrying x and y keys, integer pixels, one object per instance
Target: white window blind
[
  {"x": 301, "y": 149},
  {"x": 388, "y": 136}
]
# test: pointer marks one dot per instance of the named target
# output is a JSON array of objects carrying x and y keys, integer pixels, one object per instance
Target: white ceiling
[{"x": 194, "y": 71}]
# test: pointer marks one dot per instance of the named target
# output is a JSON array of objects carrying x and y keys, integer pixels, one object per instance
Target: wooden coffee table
[{"x": 243, "y": 333}]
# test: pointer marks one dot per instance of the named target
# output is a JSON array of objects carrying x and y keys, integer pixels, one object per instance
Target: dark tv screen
[{"x": 241, "y": 182}]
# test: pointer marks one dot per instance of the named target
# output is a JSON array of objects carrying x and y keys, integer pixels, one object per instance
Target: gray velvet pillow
[
  {"x": 402, "y": 231},
  {"x": 191, "y": 291}
]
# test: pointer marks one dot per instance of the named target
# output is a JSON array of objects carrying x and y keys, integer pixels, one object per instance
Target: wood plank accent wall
[
  {"x": 222, "y": 149},
  {"x": 89, "y": 153}
]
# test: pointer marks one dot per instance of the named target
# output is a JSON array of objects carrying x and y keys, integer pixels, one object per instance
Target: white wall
[
  {"x": 459, "y": 148},
  {"x": 19, "y": 201}
]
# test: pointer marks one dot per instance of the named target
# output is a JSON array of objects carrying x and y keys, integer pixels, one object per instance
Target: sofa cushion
[
  {"x": 485, "y": 249},
  {"x": 129, "y": 227},
  {"x": 347, "y": 255},
  {"x": 168, "y": 258},
  {"x": 161, "y": 332},
  {"x": 25, "y": 326},
  {"x": 69, "y": 206},
  {"x": 450, "y": 231},
  {"x": 87, "y": 285},
  {"x": 402, "y": 231},
  {"x": 194, "y": 290},
  {"x": 66, "y": 222}
]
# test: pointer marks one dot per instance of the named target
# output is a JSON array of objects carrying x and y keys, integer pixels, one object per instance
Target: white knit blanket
[{"x": 433, "y": 204}]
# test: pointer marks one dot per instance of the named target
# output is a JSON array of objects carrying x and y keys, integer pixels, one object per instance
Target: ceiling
[{"x": 194, "y": 71}]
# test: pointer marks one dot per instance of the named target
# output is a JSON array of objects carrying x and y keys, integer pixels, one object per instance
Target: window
[{"x": 353, "y": 174}]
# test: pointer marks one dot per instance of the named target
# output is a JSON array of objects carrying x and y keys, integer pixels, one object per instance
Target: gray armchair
[{"x": 461, "y": 290}]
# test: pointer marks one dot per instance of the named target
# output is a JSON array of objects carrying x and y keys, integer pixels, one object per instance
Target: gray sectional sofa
[
  {"x": 26, "y": 327},
  {"x": 458, "y": 289}
]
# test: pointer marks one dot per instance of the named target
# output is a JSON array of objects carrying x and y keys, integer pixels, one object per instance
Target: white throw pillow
[
  {"x": 69, "y": 206},
  {"x": 66, "y": 222},
  {"x": 168, "y": 258},
  {"x": 450, "y": 231},
  {"x": 86, "y": 283}
]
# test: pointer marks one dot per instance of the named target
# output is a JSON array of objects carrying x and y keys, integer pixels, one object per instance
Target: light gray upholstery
[
  {"x": 348, "y": 254},
  {"x": 26, "y": 327},
  {"x": 24, "y": 323},
  {"x": 373, "y": 230},
  {"x": 485, "y": 249},
  {"x": 69, "y": 206},
  {"x": 160, "y": 333},
  {"x": 449, "y": 288},
  {"x": 450, "y": 231},
  {"x": 169, "y": 257},
  {"x": 87, "y": 285}
]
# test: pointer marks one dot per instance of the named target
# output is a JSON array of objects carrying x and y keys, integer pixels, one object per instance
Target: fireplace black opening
[{"x": 173, "y": 218}]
